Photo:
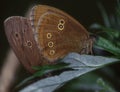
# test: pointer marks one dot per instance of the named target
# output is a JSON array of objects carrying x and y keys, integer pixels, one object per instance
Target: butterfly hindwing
[{"x": 65, "y": 33}]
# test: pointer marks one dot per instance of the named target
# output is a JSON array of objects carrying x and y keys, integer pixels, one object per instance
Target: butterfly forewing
[{"x": 20, "y": 37}]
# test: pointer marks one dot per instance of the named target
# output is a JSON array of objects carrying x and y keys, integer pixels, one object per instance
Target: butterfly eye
[
  {"x": 50, "y": 44},
  {"x": 49, "y": 35},
  {"x": 52, "y": 52},
  {"x": 61, "y": 21}
]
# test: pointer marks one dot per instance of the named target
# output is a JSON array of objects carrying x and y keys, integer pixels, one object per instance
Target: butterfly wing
[
  {"x": 39, "y": 10},
  {"x": 57, "y": 33},
  {"x": 20, "y": 36},
  {"x": 49, "y": 34}
]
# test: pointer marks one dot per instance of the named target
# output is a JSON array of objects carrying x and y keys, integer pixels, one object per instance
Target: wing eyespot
[
  {"x": 62, "y": 21},
  {"x": 28, "y": 44},
  {"x": 24, "y": 31},
  {"x": 50, "y": 44},
  {"x": 49, "y": 35},
  {"x": 52, "y": 52},
  {"x": 61, "y": 24},
  {"x": 17, "y": 35}
]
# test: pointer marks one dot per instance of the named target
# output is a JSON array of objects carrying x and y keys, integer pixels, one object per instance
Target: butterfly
[{"x": 46, "y": 35}]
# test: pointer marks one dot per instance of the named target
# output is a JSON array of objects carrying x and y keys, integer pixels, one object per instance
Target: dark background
[{"x": 85, "y": 11}]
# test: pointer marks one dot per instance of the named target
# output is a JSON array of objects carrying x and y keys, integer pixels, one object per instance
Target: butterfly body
[{"x": 46, "y": 35}]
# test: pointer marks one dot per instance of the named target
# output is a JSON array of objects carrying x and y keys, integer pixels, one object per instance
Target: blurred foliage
[
  {"x": 89, "y": 82},
  {"x": 105, "y": 87},
  {"x": 109, "y": 37}
]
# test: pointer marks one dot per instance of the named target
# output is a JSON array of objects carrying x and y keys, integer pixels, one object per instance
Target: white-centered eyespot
[
  {"x": 50, "y": 44},
  {"x": 28, "y": 44},
  {"x": 60, "y": 26}
]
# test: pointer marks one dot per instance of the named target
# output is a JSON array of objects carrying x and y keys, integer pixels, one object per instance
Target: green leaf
[
  {"x": 111, "y": 33},
  {"x": 42, "y": 70},
  {"x": 24, "y": 81},
  {"x": 81, "y": 64},
  {"x": 105, "y": 87},
  {"x": 104, "y": 15},
  {"x": 108, "y": 46},
  {"x": 48, "y": 67}
]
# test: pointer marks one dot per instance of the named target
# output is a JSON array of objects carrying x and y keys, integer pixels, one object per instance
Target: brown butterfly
[{"x": 47, "y": 35}]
